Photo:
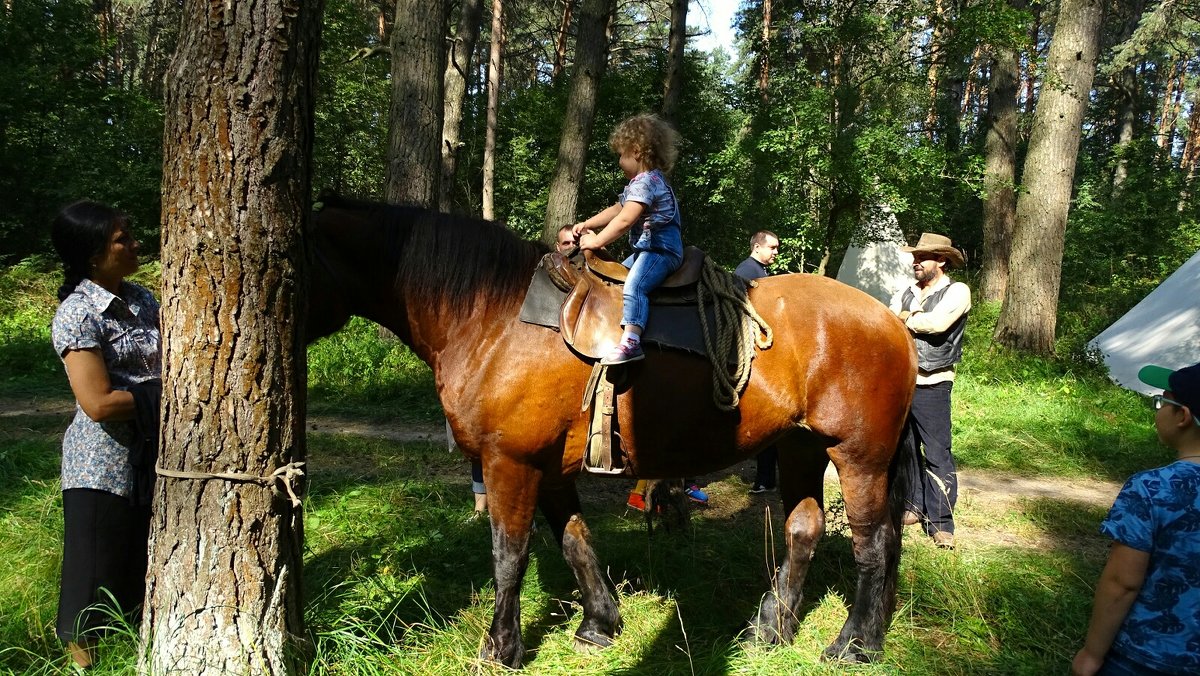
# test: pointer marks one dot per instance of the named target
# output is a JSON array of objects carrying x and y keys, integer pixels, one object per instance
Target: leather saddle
[{"x": 590, "y": 316}]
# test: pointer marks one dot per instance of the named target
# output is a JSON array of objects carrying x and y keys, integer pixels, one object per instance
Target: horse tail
[{"x": 900, "y": 473}]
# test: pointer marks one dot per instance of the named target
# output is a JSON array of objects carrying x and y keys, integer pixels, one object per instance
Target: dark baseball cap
[{"x": 1184, "y": 383}]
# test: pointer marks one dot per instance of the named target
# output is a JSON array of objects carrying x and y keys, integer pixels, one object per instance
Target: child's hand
[
  {"x": 580, "y": 229},
  {"x": 590, "y": 241}
]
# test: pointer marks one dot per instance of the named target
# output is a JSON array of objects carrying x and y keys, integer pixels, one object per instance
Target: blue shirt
[
  {"x": 1158, "y": 511},
  {"x": 659, "y": 228},
  {"x": 125, "y": 329}
]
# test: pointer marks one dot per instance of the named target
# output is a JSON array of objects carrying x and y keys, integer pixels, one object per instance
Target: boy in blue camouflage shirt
[{"x": 1146, "y": 615}]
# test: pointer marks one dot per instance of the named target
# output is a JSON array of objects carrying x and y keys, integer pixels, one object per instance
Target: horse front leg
[
  {"x": 512, "y": 498},
  {"x": 876, "y": 541},
  {"x": 601, "y": 619},
  {"x": 801, "y": 485}
]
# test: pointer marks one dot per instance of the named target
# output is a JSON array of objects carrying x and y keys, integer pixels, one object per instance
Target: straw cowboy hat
[{"x": 937, "y": 245}]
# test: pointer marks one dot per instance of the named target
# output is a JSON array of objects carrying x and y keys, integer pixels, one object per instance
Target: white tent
[
  {"x": 1163, "y": 329},
  {"x": 880, "y": 268}
]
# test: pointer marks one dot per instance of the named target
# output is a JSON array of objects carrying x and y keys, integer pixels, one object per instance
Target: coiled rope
[{"x": 738, "y": 330}]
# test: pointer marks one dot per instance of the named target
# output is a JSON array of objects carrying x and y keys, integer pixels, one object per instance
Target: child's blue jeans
[{"x": 647, "y": 271}]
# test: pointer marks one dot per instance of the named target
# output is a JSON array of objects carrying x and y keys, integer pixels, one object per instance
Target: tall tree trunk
[
  {"x": 1031, "y": 59},
  {"x": 1125, "y": 84},
  {"x": 936, "y": 57},
  {"x": 223, "y": 592},
  {"x": 673, "y": 89},
  {"x": 590, "y": 57},
  {"x": 560, "y": 40},
  {"x": 495, "y": 72},
  {"x": 1000, "y": 149},
  {"x": 455, "y": 84},
  {"x": 1191, "y": 152},
  {"x": 415, "y": 118},
  {"x": 764, "y": 59},
  {"x": 1028, "y": 316},
  {"x": 1172, "y": 105}
]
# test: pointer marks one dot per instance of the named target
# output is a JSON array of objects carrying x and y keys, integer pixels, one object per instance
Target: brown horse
[{"x": 836, "y": 386}]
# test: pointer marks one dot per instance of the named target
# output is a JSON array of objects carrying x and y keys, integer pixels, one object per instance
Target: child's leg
[{"x": 647, "y": 273}]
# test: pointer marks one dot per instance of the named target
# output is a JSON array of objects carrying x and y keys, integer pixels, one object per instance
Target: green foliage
[
  {"x": 355, "y": 370},
  {"x": 350, "y": 130},
  {"x": 66, "y": 132}
]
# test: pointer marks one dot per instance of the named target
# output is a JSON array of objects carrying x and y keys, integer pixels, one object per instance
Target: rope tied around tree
[
  {"x": 737, "y": 330},
  {"x": 286, "y": 475}
]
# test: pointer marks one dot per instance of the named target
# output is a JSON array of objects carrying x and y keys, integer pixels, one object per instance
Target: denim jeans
[{"x": 647, "y": 270}]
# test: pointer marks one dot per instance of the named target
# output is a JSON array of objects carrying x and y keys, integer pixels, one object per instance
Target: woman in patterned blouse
[{"x": 106, "y": 332}]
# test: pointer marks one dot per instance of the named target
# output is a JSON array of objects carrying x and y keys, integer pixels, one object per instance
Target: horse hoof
[
  {"x": 590, "y": 640},
  {"x": 510, "y": 658},
  {"x": 848, "y": 653}
]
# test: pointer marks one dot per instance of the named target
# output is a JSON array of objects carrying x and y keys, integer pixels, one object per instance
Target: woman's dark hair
[{"x": 80, "y": 232}]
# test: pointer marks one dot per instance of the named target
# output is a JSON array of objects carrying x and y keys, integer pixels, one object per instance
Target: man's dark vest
[{"x": 937, "y": 350}]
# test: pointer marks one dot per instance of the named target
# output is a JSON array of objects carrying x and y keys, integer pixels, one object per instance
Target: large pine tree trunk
[
  {"x": 455, "y": 84},
  {"x": 1028, "y": 316},
  {"x": 415, "y": 129},
  {"x": 223, "y": 589},
  {"x": 1000, "y": 149},
  {"x": 495, "y": 73},
  {"x": 673, "y": 89},
  {"x": 590, "y": 57}
]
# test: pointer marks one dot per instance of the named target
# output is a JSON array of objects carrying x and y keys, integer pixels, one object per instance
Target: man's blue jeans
[{"x": 647, "y": 271}]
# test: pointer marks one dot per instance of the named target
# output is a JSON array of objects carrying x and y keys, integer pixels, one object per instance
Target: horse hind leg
[
  {"x": 873, "y": 519},
  {"x": 779, "y": 612},
  {"x": 601, "y": 620}
]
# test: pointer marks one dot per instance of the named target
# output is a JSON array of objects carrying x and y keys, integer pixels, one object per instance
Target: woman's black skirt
[{"x": 104, "y": 560}]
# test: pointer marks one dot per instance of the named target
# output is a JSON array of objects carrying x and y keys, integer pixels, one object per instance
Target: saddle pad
[{"x": 670, "y": 326}]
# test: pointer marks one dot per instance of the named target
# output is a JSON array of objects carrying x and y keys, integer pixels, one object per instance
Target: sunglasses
[{"x": 1159, "y": 400}]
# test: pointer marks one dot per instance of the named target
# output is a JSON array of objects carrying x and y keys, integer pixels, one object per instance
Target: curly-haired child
[{"x": 649, "y": 212}]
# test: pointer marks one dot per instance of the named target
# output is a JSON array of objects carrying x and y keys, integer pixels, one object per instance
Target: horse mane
[{"x": 462, "y": 261}]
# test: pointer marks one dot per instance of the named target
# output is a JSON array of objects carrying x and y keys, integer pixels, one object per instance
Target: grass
[{"x": 396, "y": 582}]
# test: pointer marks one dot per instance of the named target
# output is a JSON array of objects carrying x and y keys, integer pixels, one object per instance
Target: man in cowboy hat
[{"x": 935, "y": 310}]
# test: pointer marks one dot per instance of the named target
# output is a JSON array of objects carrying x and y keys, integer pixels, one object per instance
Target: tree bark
[
  {"x": 415, "y": 129},
  {"x": 1000, "y": 151},
  {"x": 590, "y": 56},
  {"x": 560, "y": 40},
  {"x": 223, "y": 589},
  {"x": 495, "y": 73},
  {"x": 764, "y": 61},
  {"x": 936, "y": 56},
  {"x": 1172, "y": 104},
  {"x": 676, "y": 42},
  {"x": 455, "y": 85},
  {"x": 1028, "y": 316},
  {"x": 1031, "y": 58}
]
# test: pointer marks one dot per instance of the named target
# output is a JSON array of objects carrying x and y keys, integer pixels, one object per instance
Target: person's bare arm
[
  {"x": 93, "y": 389},
  {"x": 598, "y": 221},
  {"x": 1115, "y": 593},
  {"x": 616, "y": 227}
]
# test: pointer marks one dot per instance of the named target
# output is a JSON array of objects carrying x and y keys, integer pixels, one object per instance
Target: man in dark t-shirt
[{"x": 764, "y": 246}]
